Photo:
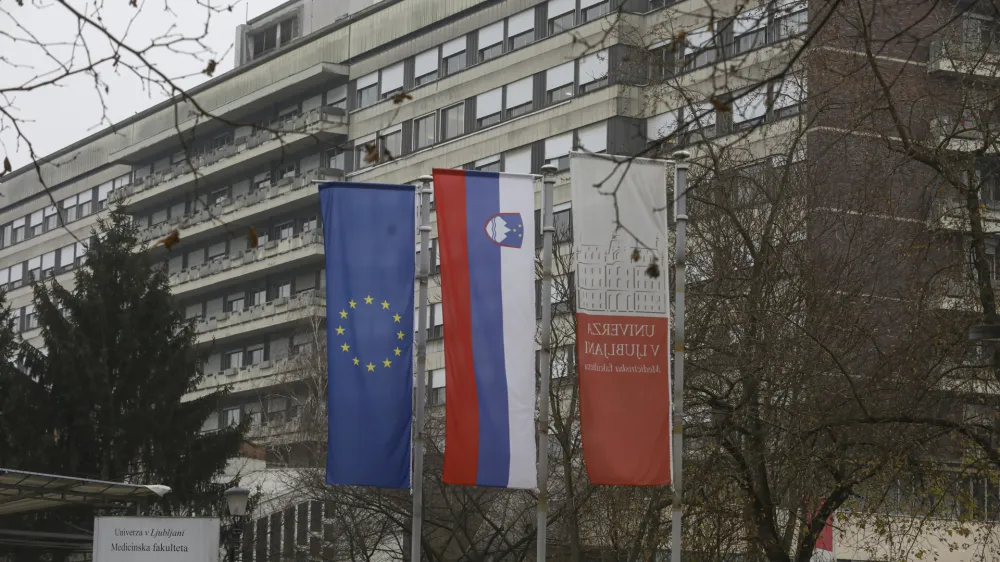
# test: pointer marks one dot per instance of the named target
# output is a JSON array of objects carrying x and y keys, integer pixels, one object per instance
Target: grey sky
[{"x": 39, "y": 40}]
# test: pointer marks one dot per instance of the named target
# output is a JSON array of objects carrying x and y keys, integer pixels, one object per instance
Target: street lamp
[{"x": 236, "y": 502}]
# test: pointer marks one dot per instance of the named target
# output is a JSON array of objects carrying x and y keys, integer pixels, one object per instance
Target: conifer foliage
[{"x": 103, "y": 399}]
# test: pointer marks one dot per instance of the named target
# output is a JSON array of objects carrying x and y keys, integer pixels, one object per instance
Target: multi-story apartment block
[{"x": 384, "y": 91}]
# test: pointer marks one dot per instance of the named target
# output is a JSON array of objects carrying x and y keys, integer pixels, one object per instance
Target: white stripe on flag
[{"x": 517, "y": 272}]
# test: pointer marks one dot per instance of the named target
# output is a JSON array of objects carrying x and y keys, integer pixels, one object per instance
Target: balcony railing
[
  {"x": 243, "y": 258},
  {"x": 305, "y": 304},
  {"x": 224, "y": 209},
  {"x": 968, "y": 46},
  {"x": 301, "y": 124}
]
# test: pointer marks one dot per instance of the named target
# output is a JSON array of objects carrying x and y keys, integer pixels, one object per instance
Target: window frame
[
  {"x": 555, "y": 25},
  {"x": 445, "y": 113},
  {"x": 432, "y": 117}
]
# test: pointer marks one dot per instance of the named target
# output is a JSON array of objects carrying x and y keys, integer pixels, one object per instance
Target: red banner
[{"x": 623, "y": 356}]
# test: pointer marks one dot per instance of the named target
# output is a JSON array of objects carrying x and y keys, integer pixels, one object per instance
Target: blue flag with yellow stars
[{"x": 369, "y": 232}]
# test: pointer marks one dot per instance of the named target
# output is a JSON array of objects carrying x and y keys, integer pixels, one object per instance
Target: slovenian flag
[{"x": 486, "y": 239}]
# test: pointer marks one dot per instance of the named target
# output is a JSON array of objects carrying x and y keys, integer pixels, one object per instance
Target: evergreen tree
[{"x": 103, "y": 398}]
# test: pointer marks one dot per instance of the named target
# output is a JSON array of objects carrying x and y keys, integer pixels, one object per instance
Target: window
[
  {"x": 217, "y": 251},
  {"x": 488, "y": 108},
  {"x": 283, "y": 290},
  {"x": 560, "y": 93},
  {"x": 51, "y": 218},
  {"x": 236, "y": 303},
  {"x": 557, "y": 150},
  {"x": 309, "y": 225},
  {"x": 425, "y": 67},
  {"x": 424, "y": 130},
  {"x": 593, "y": 71},
  {"x": 283, "y": 231},
  {"x": 750, "y": 30},
  {"x": 559, "y": 82},
  {"x": 234, "y": 360},
  {"x": 453, "y": 55},
  {"x": 523, "y": 39},
  {"x": 592, "y": 12},
  {"x": 794, "y": 23},
  {"x": 491, "y": 41},
  {"x": 8, "y": 235},
  {"x": 453, "y": 121},
  {"x": 231, "y": 416},
  {"x": 749, "y": 108},
  {"x": 437, "y": 322},
  {"x": 367, "y": 95},
  {"x": 593, "y": 138},
  {"x": 519, "y": 97},
  {"x": 259, "y": 297},
  {"x": 391, "y": 145},
  {"x": 30, "y": 317},
  {"x": 700, "y": 48},
  {"x": 36, "y": 223},
  {"x": 218, "y": 196},
  {"x": 48, "y": 263},
  {"x": 336, "y": 159},
  {"x": 256, "y": 356},
  {"x": 265, "y": 41},
  {"x": 437, "y": 387},
  {"x": 255, "y": 413},
  {"x": 289, "y": 30},
  {"x": 276, "y": 408},
  {"x": 489, "y": 164},
  {"x": 83, "y": 209},
  {"x": 454, "y": 63},
  {"x": 286, "y": 171},
  {"x": 392, "y": 80},
  {"x": 337, "y": 97},
  {"x": 211, "y": 423},
  {"x": 561, "y": 23},
  {"x": 490, "y": 52},
  {"x": 661, "y": 62},
  {"x": 35, "y": 268},
  {"x": 521, "y": 29}
]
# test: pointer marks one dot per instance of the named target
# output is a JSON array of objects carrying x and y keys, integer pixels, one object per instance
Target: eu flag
[{"x": 370, "y": 267}]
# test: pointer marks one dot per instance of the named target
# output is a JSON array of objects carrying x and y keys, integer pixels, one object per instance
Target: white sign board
[{"x": 156, "y": 539}]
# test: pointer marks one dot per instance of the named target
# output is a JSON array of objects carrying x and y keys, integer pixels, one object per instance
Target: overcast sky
[{"x": 43, "y": 45}]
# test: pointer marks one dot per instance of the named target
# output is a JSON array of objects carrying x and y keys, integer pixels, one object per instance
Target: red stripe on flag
[
  {"x": 461, "y": 458},
  {"x": 622, "y": 363}
]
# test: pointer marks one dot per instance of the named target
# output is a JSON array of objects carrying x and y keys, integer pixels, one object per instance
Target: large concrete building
[{"x": 315, "y": 94}]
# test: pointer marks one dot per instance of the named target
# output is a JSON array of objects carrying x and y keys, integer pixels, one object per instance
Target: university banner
[
  {"x": 368, "y": 239},
  {"x": 622, "y": 339}
]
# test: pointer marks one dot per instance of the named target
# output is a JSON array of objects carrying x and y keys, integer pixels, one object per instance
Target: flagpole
[
  {"x": 418, "y": 442},
  {"x": 545, "y": 365},
  {"x": 680, "y": 194}
]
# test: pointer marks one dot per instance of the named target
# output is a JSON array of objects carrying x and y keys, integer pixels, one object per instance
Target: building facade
[{"x": 384, "y": 91}]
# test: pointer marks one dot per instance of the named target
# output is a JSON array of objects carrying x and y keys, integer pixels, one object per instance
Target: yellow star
[
  {"x": 343, "y": 314},
  {"x": 385, "y": 305},
  {"x": 400, "y": 334},
  {"x": 387, "y": 363},
  {"x": 370, "y": 367},
  {"x": 340, "y": 330},
  {"x": 353, "y": 304},
  {"x": 396, "y": 317},
  {"x": 356, "y": 361},
  {"x": 345, "y": 347},
  {"x": 397, "y": 351},
  {"x": 368, "y": 299}
]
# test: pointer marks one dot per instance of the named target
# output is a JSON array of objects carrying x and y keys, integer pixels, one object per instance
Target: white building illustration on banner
[{"x": 609, "y": 281}]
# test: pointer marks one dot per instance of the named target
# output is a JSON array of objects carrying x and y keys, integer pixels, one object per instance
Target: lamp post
[{"x": 236, "y": 502}]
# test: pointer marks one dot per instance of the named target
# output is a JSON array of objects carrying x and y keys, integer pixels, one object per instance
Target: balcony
[
  {"x": 280, "y": 311},
  {"x": 963, "y": 135},
  {"x": 949, "y": 213},
  {"x": 275, "y": 198},
  {"x": 250, "y": 263},
  {"x": 316, "y": 127},
  {"x": 253, "y": 377},
  {"x": 966, "y": 47}
]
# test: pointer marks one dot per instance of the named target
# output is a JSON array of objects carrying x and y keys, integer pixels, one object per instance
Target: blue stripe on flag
[{"x": 482, "y": 202}]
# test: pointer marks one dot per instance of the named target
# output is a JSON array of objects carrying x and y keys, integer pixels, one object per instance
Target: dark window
[
  {"x": 424, "y": 131},
  {"x": 265, "y": 41},
  {"x": 491, "y": 167},
  {"x": 454, "y": 63},
  {"x": 453, "y": 121},
  {"x": 559, "y": 94},
  {"x": 488, "y": 120},
  {"x": 426, "y": 78},
  {"x": 289, "y": 30},
  {"x": 661, "y": 63},
  {"x": 236, "y": 304},
  {"x": 490, "y": 52},
  {"x": 522, "y": 39},
  {"x": 595, "y": 85},
  {"x": 596, "y": 11},
  {"x": 562, "y": 23},
  {"x": 391, "y": 146},
  {"x": 368, "y": 95},
  {"x": 519, "y": 110}
]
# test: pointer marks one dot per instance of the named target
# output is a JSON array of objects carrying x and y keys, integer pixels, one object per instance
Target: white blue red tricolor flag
[{"x": 487, "y": 244}]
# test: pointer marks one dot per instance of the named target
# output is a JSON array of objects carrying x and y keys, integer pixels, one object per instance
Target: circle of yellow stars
[{"x": 345, "y": 348}]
